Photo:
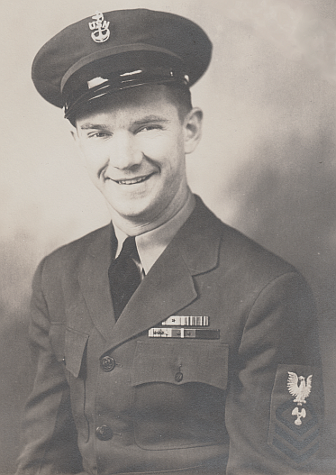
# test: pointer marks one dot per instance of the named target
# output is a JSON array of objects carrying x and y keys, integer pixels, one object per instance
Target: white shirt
[{"x": 151, "y": 244}]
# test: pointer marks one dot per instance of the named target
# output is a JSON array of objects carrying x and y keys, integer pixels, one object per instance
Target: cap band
[{"x": 110, "y": 83}]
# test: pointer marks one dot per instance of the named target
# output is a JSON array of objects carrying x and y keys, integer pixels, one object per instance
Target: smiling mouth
[{"x": 133, "y": 181}]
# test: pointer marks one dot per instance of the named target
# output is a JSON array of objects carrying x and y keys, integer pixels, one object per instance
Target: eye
[
  {"x": 149, "y": 128},
  {"x": 97, "y": 135}
]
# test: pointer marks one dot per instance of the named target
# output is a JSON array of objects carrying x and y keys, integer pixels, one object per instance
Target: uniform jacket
[{"x": 109, "y": 399}]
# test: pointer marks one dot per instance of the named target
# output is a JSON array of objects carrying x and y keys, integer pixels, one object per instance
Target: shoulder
[
  {"x": 80, "y": 245},
  {"x": 70, "y": 255},
  {"x": 238, "y": 250},
  {"x": 235, "y": 249}
]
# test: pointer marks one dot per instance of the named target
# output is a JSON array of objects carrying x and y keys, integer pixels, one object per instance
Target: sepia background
[{"x": 266, "y": 163}]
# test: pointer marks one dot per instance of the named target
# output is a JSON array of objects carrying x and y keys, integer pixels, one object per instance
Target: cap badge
[
  {"x": 100, "y": 27},
  {"x": 301, "y": 389}
]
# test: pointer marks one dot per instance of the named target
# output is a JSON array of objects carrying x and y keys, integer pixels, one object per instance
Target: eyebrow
[
  {"x": 91, "y": 126},
  {"x": 148, "y": 118}
]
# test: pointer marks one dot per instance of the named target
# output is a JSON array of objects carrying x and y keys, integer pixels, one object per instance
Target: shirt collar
[{"x": 151, "y": 244}]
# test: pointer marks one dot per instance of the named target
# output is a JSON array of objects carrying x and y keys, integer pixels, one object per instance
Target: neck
[{"x": 136, "y": 227}]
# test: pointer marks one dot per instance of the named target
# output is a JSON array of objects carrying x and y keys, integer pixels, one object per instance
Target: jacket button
[
  {"x": 107, "y": 363},
  {"x": 178, "y": 377},
  {"x": 104, "y": 432}
]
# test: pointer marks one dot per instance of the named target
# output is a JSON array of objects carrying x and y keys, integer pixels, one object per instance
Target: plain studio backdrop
[{"x": 266, "y": 163}]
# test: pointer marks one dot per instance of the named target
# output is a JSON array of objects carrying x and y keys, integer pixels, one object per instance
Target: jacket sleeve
[
  {"x": 49, "y": 433},
  {"x": 273, "y": 431}
]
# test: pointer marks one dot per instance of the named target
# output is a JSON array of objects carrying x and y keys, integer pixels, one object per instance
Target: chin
[
  {"x": 135, "y": 213},
  {"x": 136, "y": 207},
  {"x": 139, "y": 210}
]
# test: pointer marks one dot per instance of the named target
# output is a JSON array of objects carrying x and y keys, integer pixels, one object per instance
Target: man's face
[{"x": 134, "y": 148}]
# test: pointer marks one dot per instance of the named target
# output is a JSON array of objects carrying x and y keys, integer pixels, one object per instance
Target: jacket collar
[
  {"x": 167, "y": 288},
  {"x": 199, "y": 238}
]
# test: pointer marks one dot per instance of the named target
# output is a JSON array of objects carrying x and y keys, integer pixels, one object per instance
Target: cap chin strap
[{"x": 101, "y": 86}]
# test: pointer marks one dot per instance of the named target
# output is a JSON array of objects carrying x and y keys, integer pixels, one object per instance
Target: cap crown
[{"x": 73, "y": 57}]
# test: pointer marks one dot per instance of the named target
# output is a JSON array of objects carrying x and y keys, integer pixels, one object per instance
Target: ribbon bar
[
  {"x": 196, "y": 333},
  {"x": 187, "y": 321}
]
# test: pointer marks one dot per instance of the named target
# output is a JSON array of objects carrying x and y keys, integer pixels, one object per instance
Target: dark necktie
[{"x": 124, "y": 276}]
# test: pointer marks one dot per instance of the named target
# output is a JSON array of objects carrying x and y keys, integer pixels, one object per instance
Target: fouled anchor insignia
[
  {"x": 299, "y": 415},
  {"x": 101, "y": 27},
  {"x": 301, "y": 389}
]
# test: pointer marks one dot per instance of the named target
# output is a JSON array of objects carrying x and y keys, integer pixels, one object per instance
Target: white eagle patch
[{"x": 299, "y": 387}]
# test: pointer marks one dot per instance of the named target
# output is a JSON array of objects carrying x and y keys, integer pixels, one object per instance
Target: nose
[{"x": 123, "y": 152}]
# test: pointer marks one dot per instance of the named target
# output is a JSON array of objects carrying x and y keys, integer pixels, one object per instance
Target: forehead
[{"x": 134, "y": 101}]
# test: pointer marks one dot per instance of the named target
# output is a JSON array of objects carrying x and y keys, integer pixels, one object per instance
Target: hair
[
  {"x": 178, "y": 94},
  {"x": 181, "y": 97}
]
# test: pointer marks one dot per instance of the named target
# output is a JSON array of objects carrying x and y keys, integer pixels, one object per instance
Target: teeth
[{"x": 132, "y": 181}]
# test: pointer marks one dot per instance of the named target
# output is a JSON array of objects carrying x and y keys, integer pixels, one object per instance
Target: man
[{"x": 166, "y": 342}]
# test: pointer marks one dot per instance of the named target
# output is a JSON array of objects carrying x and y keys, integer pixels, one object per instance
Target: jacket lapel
[
  {"x": 167, "y": 288},
  {"x": 94, "y": 282},
  {"x": 169, "y": 285}
]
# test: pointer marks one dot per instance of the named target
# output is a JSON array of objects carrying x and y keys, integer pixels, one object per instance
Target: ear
[
  {"x": 192, "y": 125},
  {"x": 73, "y": 132},
  {"x": 75, "y": 136}
]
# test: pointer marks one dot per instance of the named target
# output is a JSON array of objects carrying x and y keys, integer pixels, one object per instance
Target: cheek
[
  {"x": 153, "y": 149},
  {"x": 94, "y": 160},
  {"x": 160, "y": 147}
]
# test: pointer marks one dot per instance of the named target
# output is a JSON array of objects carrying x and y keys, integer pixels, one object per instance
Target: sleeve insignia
[
  {"x": 296, "y": 403},
  {"x": 298, "y": 387},
  {"x": 301, "y": 389}
]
